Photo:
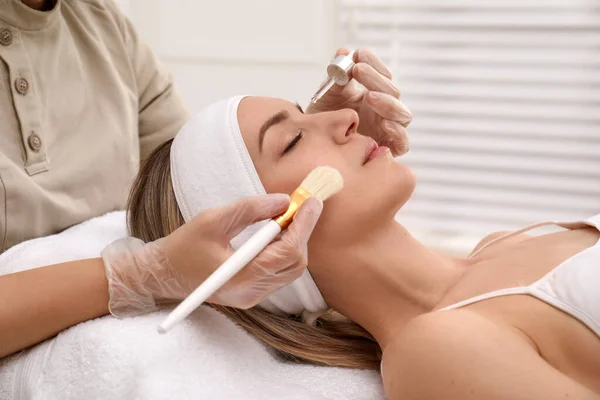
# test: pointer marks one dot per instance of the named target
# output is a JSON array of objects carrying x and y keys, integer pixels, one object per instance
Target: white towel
[{"x": 205, "y": 357}]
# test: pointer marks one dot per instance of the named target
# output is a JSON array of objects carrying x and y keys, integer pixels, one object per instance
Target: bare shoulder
[
  {"x": 460, "y": 354},
  {"x": 496, "y": 235},
  {"x": 428, "y": 349}
]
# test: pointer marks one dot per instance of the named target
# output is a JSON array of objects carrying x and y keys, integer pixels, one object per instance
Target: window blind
[{"x": 505, "y": 96}]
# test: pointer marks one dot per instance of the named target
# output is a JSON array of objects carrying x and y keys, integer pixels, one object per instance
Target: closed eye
[{"x": 293, "y": 142}]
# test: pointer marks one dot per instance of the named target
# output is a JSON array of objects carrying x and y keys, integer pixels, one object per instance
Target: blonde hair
[{"x": 333, "y": 341}]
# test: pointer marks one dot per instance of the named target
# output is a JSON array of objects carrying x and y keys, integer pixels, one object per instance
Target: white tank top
[{"x": 573, "y": 286}]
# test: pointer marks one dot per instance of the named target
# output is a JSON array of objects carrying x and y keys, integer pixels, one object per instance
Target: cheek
[
  {"x": 286, "y": 175},
  {"x": 283, "y": 179}
]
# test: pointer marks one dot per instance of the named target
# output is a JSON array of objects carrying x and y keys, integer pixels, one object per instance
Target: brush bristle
[{"x": 323, "y": 182}]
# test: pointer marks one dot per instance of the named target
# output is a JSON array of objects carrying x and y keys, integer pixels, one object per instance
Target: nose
[{"x": 342, "y": 124}]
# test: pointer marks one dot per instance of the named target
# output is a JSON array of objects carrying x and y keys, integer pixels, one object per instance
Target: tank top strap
[
  {"x": 487, "y": 296},
  {"x": 592, "y": 221},
  {"x": 512, "y": 234}
]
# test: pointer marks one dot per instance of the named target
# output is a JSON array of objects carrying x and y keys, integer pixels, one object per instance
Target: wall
[
  {"x": 504, "y": 93},
  {"x": 216, "y": 49}
]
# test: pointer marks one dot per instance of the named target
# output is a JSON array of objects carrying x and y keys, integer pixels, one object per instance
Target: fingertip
[
  {"x": 342, "y": 51},
  {"x": 283, "y": 196},
  {"x": 306, "y": 218},
  {"x": 279, "y": 198},
  {"x": 358, "y": 70},
  {"x": 314, "y": 205},
  {"x": 319, "y": 204},
  {"x": 368, "y": 56},
  {"x": 274, "y": 203}
]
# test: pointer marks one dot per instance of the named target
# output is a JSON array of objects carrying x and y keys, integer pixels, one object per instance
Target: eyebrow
[{"x": 273, "y": 120}]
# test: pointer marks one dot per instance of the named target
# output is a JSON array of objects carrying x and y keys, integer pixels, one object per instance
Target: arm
[
  {"x": 39, "y": 303},
  {"x": 461, "y": 355}
]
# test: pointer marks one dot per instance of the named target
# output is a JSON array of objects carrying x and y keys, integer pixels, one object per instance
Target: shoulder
[
  {"x": 109, "y": 7},
  {"x": 429, "y": 341},
  {"x": 437, "y": 329},
  {"x": 113, "y": 35},
  {"x": 103, "y": 15},
  {"x": 433, "y": 353}
]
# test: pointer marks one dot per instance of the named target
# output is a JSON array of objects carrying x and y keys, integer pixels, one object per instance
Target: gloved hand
[
  {"x": 142, "y": 275},
  {"x": 382, "y": 115}
]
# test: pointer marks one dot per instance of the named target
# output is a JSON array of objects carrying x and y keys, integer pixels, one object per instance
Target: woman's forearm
[{"x": 39, "y": 303}]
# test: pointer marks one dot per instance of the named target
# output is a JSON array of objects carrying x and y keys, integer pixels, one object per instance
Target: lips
[{"x": 369, "y": 150}]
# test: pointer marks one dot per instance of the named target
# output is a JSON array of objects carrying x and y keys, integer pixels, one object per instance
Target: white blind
[{"x": 505, "y": 96}]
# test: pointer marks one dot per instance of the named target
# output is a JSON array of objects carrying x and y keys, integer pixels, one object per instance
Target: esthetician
[{"x": 82, "y": 102}]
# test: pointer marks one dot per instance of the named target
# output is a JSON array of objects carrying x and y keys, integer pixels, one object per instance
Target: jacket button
[
  {"x": 21, "y": 85},
  {"x": 35, "y": 142},
  {"x": 6, "y": 37}
]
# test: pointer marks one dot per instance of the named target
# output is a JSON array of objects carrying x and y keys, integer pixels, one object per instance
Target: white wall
[
  {"x": 503, "y": 95},
  {"x": 216, "y": 49}
]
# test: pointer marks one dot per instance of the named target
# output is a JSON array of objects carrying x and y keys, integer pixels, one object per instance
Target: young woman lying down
[{"x": 518, "y": 319}]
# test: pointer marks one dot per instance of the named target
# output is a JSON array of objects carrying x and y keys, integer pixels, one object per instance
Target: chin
[
  {"x": 394, "y": 185},
  {"x": 407, "y": 184},
  {"x": 366, "y": 204}
]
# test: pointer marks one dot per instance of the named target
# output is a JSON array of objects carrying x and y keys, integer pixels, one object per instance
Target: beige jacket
[{"x": 82, "y": 100}]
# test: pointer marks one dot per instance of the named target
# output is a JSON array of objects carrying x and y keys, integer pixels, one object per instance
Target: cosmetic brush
[{"x": 322, "y": 183}]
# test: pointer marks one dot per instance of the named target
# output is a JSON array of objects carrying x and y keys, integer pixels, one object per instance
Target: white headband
[{"x": 211, "y": 167}]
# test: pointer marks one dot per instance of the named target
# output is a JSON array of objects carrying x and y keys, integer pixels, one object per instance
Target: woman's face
[{"x": 286, "y": 144}]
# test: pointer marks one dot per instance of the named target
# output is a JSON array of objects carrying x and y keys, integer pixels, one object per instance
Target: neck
[
  {"x": 388, "y": 279},
  {"x": 40, "y": 5}
]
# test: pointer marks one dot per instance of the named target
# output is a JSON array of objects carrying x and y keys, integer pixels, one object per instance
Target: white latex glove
[
  {"x": 142, "y": 275},
  {"x": 375, "y": 98}
]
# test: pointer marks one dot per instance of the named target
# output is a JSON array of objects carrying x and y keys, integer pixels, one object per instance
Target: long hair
[{"x": 152, "y": 213}]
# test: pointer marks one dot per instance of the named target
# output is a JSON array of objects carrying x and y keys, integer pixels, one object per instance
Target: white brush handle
[{"x": 224, "y": 273}]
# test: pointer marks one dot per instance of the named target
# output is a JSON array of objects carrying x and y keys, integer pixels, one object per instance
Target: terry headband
[{"x": 211, "y": 167}]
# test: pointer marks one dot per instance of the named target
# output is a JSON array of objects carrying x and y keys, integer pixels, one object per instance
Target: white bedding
[{"x": 206, "y": 357}]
